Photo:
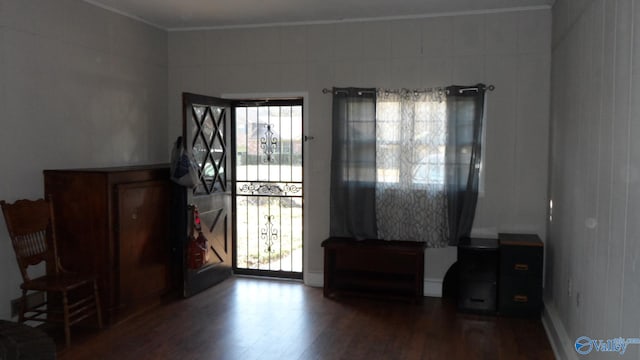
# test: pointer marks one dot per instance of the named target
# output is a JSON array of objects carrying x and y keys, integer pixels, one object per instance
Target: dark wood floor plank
[{"x": 247, "y": 318}]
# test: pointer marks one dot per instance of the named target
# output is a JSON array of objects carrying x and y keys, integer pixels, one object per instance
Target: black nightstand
[
  {"x": 520, "y": 285},
  {"x": 477, "y": 275}
]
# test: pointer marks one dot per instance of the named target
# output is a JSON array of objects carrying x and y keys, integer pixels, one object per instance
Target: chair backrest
[{"x": 31, "y": 228}]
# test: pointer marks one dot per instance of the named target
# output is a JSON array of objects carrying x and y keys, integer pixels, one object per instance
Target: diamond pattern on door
[{"x": 209, "y": 147}]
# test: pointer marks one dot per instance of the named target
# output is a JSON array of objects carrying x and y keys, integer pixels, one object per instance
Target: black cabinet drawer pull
[
  {"x": 476, "y": 300},
  {"x": 521, "y": 298},
  {"x": 521, "y": 267}
]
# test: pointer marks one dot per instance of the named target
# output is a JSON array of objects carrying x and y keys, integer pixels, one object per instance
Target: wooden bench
[{"x": 379, "y": 268}]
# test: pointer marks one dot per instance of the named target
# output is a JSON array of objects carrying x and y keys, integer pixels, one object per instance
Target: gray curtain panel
[
  {"x": 353, "y": 163},
  {"x": 465, "y": 112}
]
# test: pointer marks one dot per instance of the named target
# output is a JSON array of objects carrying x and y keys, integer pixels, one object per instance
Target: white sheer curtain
[{"x": 411, "y": 203}]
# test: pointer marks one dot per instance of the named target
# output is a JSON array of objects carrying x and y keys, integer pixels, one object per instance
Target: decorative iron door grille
[{"x": 268, "y": 193}]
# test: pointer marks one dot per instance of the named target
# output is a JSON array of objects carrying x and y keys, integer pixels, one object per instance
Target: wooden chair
[{"x": 70, "y": 298}]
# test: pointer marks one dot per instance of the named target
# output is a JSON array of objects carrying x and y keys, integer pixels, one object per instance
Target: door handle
[
  {"x": 521, "y": 298},
  {"x": 521, "y": 267}
]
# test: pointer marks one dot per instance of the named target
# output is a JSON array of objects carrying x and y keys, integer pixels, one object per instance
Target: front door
[
  {"x": 269, "y": 187},
  {"x": 206, "y": 130}
]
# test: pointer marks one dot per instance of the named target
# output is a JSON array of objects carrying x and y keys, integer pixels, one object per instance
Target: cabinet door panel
[{"x": 143, "y": 218}]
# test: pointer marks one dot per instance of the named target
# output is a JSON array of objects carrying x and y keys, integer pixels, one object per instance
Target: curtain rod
[{"x": 487, "y": 87}]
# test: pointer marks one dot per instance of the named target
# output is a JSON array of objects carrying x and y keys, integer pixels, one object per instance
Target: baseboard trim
[
  {"x": 433, "y": 287},
  {"x": 560, "y": 342},
  {"x": 314, "y": 279}
]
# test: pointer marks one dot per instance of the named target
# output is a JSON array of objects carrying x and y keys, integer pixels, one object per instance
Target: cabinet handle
[
  {"x": 521, "y": 298},
  {"x": 521, "y": 267}
]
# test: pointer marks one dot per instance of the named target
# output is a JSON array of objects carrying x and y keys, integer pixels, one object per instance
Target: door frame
[{"x": 305, "y": 171}]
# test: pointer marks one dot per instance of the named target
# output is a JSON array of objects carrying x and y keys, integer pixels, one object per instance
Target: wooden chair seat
[{"x": 70, "y": 297}]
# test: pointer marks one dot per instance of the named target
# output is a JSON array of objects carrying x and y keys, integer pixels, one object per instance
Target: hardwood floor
[{"x": 248, "y": 318}]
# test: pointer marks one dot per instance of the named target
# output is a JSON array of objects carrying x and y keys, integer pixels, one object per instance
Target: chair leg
[
  {"x": 65, "y": 307},
  {"x": 97, "y": 302},
  {"x": 23, "y": 306}
]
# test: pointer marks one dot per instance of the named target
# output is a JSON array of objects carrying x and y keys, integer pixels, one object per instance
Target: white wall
[
  {"x": 593, "y": 248},
  {"x": 510, "y": 50},
  {"x": 79, "y": 87}
]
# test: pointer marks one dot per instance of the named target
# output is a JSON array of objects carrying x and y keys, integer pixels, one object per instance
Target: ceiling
[{"x": 190, "y": 14}]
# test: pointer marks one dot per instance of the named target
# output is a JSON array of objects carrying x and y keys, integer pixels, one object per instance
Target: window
[
  {"x": 411, "y": 139},
  {"x": 405, "y": 163}
]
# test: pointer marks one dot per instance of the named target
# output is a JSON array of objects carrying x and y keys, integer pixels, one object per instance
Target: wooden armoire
[{"x": 114, "y": 222}]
